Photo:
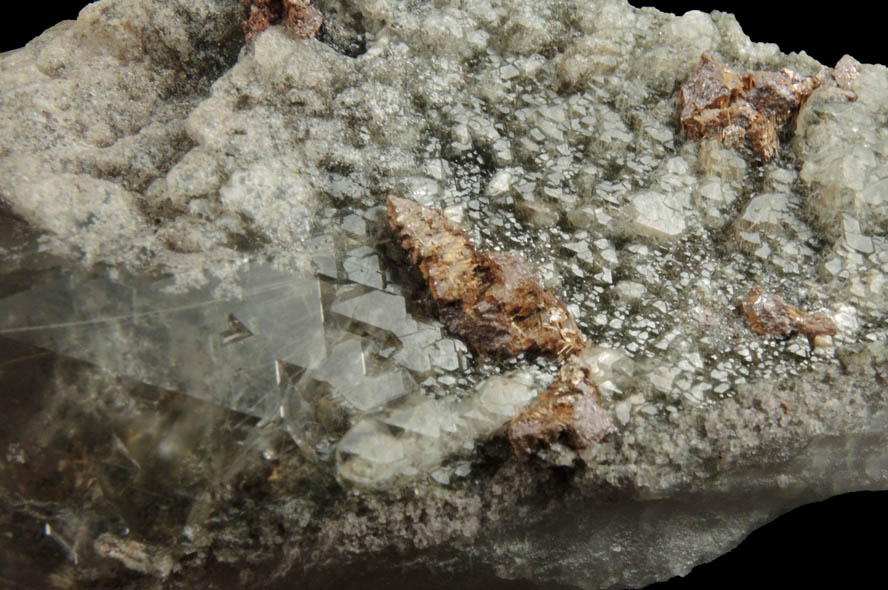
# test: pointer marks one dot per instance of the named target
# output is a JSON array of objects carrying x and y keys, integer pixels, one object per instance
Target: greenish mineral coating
[{"x": 348, "y": 434}]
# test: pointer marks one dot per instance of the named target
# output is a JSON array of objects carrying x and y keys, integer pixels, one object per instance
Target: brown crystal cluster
[
  {"x": 299, "y": 16},
  {"x": 770, "y": 315},
  {"x": 497, "y": 303},
  {"x": 719, "y": 102},
  {"x": 493, "y": 300},
  {"x": 569, "y": 408}
]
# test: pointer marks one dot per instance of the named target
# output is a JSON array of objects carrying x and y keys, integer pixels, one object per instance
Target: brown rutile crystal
[
  {"x": 770, "y": 315},
  {"x": 721, "y": 103},
  {"x": 494, "y": 301},
  {"x": 299, "y": 16},
  {"x": 568, "y": 410}
]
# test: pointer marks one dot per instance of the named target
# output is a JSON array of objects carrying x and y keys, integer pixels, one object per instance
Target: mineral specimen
[
  {"x": 718, "y": 102},
  {"x": 496, "y": 302},
  {"x": 493, "y": 300},
  {"x": 568, "y": 409},
  {"x": 209, "y": 420},
  {"x": 299, "y": 16},
  {"x": 770, "y": 315}
]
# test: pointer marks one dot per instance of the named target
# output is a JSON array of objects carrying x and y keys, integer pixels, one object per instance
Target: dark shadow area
[
  {"x": 840, "y": 536},
  {"x": 412, "y": 578},
  {"x": 31, "y": 21},
  {"x": 825, "y": 33}
]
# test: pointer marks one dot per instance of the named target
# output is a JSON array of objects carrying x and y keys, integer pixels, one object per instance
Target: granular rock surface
[{"x": 220, "y": 370}]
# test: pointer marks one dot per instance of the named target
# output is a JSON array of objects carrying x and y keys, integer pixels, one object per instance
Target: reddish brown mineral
[
  {"x": 718, "y": 102},
  {"x": 299, "y": 16},
  {"x": 569, "y": 409},
  {"x": 770, "y": 315},
  {"x": 495, "y": 301}
]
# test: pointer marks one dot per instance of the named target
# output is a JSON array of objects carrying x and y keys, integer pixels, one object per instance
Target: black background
[
  {"x": 843, "y": 538},
  {"x": 825, "y": 31}
]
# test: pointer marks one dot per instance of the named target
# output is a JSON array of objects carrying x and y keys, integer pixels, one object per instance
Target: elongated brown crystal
[
  {"x": 769, "y": 314},
  {"x": 568, "y": 410},
  {"x": 494, "y": 301}
]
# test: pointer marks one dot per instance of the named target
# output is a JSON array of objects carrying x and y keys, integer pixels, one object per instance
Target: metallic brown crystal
[
  {"x": 494, "y": 301},
  {"x": 769, "y": 314},
  {"x": 568, "y": 410},
  {"x": 721, "y": 103}
]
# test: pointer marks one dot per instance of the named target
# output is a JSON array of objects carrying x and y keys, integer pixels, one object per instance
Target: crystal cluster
[
  {"x": 299, "y": 16},
  {"x": 721, "y": 103}
]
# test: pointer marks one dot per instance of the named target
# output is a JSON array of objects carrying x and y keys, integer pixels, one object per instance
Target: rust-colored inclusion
[
  {"x": 299, "y": 16},
  {"x": 495, "y": 301},
  {"x": 569, "y": 411},
  {"x": 719, "y": 102},
  {"x": 770, "y": 315}
]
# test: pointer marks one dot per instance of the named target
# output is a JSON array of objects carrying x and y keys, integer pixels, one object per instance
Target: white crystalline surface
[{"x": 218, "y": 213}]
